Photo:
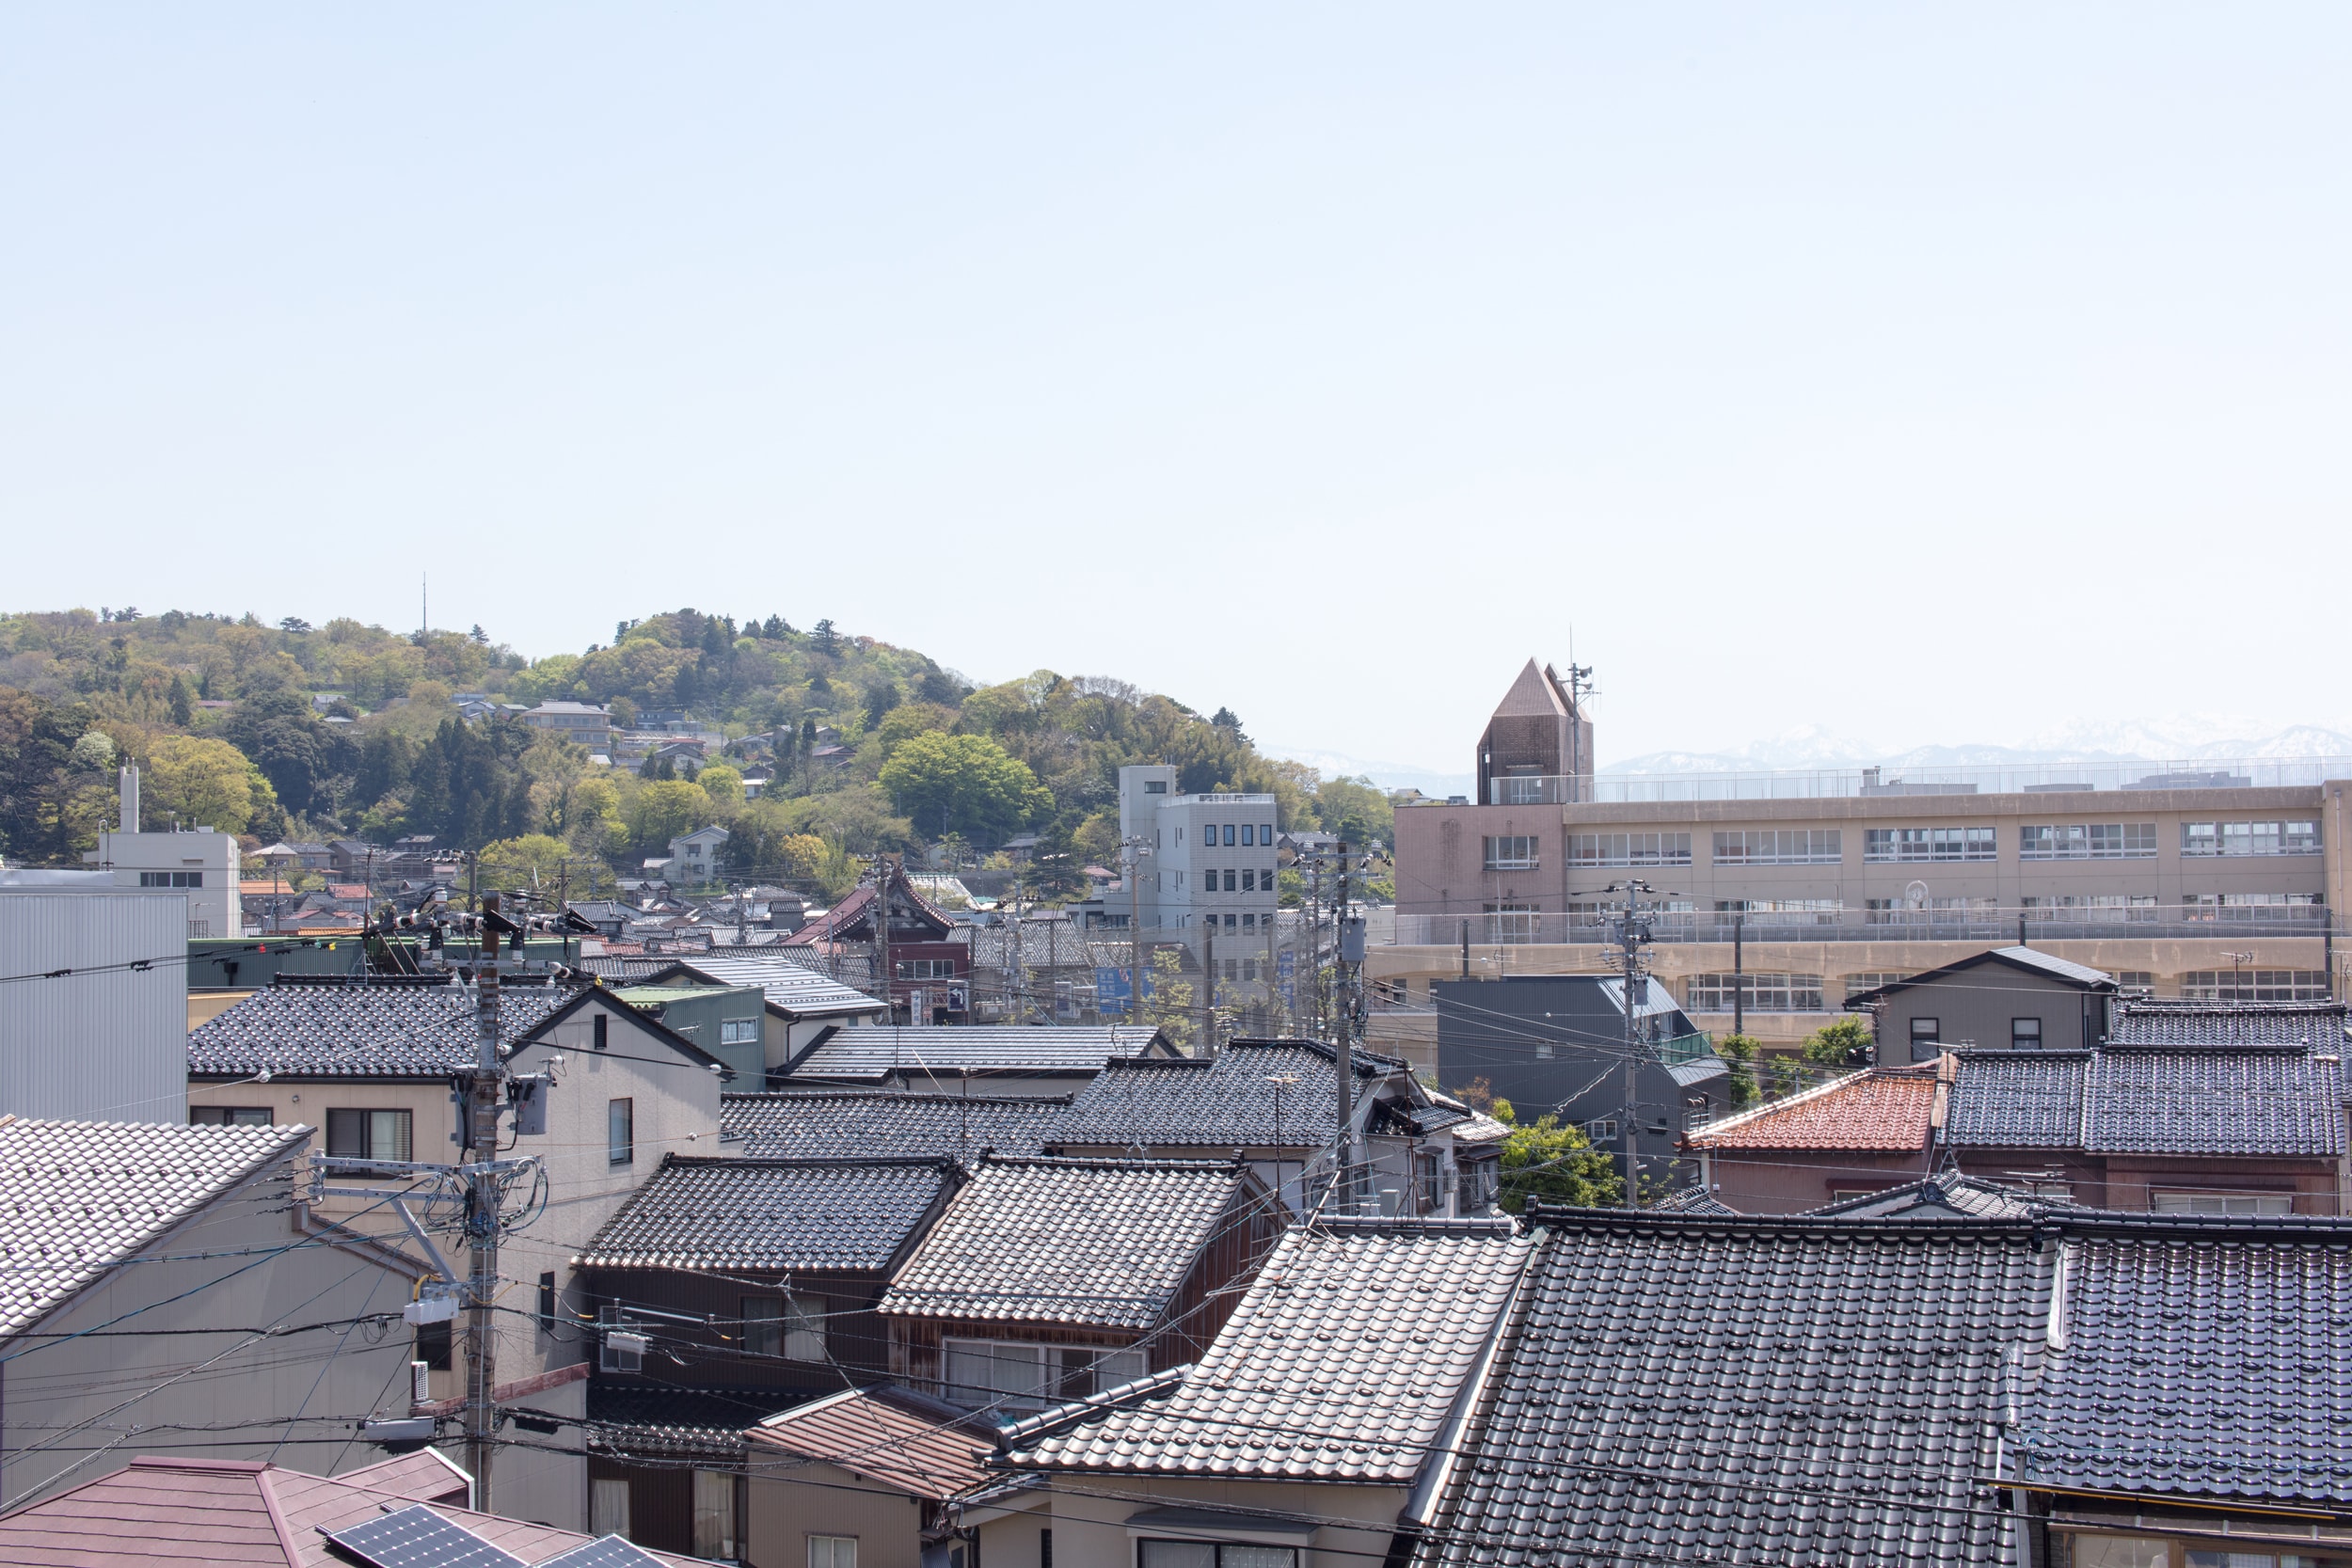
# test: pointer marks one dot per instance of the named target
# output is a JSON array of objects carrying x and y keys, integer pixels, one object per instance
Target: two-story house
[
  {"x": 368, "y": 1062},
  {"x": 725, "y": 1290},
  {"x": 1055, "y": 1278}
]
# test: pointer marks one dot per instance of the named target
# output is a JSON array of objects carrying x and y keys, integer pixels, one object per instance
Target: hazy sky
[{"x": 1926, "y": 375}]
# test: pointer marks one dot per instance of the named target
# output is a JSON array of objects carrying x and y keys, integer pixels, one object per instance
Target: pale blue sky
[{"x": 1925, "y": 374}]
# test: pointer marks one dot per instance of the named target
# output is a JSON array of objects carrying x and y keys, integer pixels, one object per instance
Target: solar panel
[
  {"x": 416, "y": 1537},
  {"x": 609, "y": 1552}
]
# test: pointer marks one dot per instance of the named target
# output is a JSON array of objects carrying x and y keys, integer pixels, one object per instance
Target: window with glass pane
[
  {"x": 370, "y": 1134},
  {"x": 228, "y": 1115},
  {"x": 980, "y": 1371},
  {"x": 1779, "y": 847},
  {"x": 2120, "y": 1551},
  {"x": 714, "y": 1514},
  {"x": 1928, "y": 843},
  {"x": 607, "y": 1506},
  {"x": 1509, "y": 923},
  {"x": 832, "y": 1551},
  {"x": 1511, "y": 853},
  {"x": 620, "y": 1127}
]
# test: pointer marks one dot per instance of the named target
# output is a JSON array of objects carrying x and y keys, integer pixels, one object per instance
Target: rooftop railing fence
[{"x": 1829, "y": 783}]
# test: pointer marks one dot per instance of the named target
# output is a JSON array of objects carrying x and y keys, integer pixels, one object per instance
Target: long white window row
[
  {"x": 2088, "y": 841},
  {"x": 1246, "y": 880},
  {"x": 1597, "y": 849},
  {"x": 1510, "y": 852},
  {"x": 984, "y": 1371},
  {"x": 1779, "y": 847},
  {"x": 1766, "y": 993},
  {"x": 2202, "y": 839},
  {"x": 2255, "y": 985},
  {"x": 1928, "y": 843}
]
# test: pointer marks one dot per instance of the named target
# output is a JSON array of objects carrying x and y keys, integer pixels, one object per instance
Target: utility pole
[
  {"x": 1580, "y": 688},
  {"x": 1208, "y": 990},
  {"x": 1351, "y": 960},
  {"x": 881, "y": 937},
  {"x": 1739, "y": 975},
  {"x": 487, "y": 1094},
  {"x": 1132, "y": 850},
  {"x": 1633, "y": 931}
]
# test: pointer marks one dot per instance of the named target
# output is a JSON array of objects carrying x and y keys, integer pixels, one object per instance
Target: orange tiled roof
[{"x": 1876, "y": 1110}]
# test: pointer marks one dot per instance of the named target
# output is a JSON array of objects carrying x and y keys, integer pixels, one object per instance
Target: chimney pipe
[{"x": 130, "y": 797}]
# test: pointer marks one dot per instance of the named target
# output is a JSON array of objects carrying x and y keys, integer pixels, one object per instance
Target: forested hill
[{"x": 221, "y": 717}]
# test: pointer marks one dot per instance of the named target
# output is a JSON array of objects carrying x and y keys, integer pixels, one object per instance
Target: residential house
[
  {"x": 290, "y": 856},
  {"x": 96, "y": 1010},
  {"x": 694, "y": 857},
  {"x": 1335, "y": 1391},
  {"x": 805, "y": 1005},
  {"x": 369, "y": 1063},
  {"x": 879, "y": 1470},
  {"x": 1004, "y": 1059},
  {"x": 148, "y": 1267},
  {"x": 402, "y": 1513},
  {"x": 2188, "y": 1107},
  {"x": 728, "y": 1021},
  {"x": 2013, "y": 997},
  {"x": 931, "y": 972},
  {"x": 1052, "y": 1278},
  {"x": 842, "y": 1124},
  {"x": 355, "y": 858},
  {"x": 725, "y": 1290},
  {"x": 1276, "y": 1102},
  {"x": 1555, "y": 1045},
  {"x": 588, "y": 724}
]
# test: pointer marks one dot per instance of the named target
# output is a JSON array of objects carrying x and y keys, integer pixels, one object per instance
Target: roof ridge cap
[{"x": 1740, "y": 1119}]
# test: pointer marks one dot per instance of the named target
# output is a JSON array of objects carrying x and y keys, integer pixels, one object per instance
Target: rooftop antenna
[{"x": 424, "y": 607}]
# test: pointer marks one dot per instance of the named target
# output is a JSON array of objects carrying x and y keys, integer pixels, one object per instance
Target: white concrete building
[
  {"x": 198, "y": 861},
  {"x": 1211, "y": 856}
]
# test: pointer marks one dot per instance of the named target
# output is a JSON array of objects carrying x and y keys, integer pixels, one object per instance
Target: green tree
[
  {"x": 1355, "y": 811},
  {"x": 537, "y": 862},
  {"x": 664, "y": 809},
  {"x": 1739, "y": 1054},
  {"x": 201, "y": 784},
  {"x": 721, "y": 782},
  {"x": 964, "y": 784},
  {"x": 1841, "y": 1043},
  {"x": 1167, "y": 1003},
  {"x": 1558, "y": 1164}
]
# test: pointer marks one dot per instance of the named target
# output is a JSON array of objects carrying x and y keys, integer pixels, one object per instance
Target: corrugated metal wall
[{"x": 106, "y": 1043}]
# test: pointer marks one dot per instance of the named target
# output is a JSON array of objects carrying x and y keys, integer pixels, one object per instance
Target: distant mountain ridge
[{"x": 2192, "y": 738}]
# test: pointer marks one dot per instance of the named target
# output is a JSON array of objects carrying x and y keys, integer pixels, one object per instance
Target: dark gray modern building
[{"x": 1556, "y": 1045}]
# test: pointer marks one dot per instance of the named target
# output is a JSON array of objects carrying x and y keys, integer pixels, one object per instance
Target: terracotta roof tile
[
  {"x": 901, "y": 1438},
  {"x": 1877, "y": 1110}
]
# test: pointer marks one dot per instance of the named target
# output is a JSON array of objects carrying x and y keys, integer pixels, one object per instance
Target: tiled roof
[
  {"x": 1103, "y": 1243},
  {"x": 2018, "y": 1100},
  {"x": 1343, "y": 1362},
  {"x": 636, "y": 1419},
  {"x": 362, "y": 1029},
  {"x": 2030, "y": 960},
  {"x": 1784, "y": 1390},
  {"x": 2244, "y": 1101},
  {"x": 835, "y": 1124},
  {"x": 2317, "y": 1024},
  {"x": 905, "y": 1440},
  {"x": 1945, "y": 1197},
  {"x": 731, "y": 1213},
  {"x": 2201, "y": 1361},
  {"x": 2233, "y": 1103},
  {"x": 1228, "y": 1102},
  {"x": 78, "y": 1196},
  {"x": 791, "y": 985},
  {"x": 1880, "y": 1110},
  {"x": 231, "y": 1514},
  {"x": 1692, "y": 1200},
  {"x": 874, "y": 1053}
]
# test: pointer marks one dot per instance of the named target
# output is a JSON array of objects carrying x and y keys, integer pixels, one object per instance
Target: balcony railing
[
  {"x": 1516, "y": 927},
  {"x": 1992, "y": 779}
]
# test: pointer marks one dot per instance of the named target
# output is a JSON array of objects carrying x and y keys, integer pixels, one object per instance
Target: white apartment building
[
  {"x": 198, "y": 862},
  {"x": 1207, "y": 860}
]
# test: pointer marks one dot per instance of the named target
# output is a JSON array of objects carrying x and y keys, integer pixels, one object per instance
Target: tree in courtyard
[{"x": 1558, "y": 1164}]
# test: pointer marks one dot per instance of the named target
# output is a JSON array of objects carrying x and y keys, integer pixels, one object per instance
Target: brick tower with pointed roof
[{"x": 1539, "y": 731}]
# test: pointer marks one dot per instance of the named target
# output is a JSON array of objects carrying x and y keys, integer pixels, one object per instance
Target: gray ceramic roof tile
[
  {"x": 771, "y": 1214},
  {"x": 874, "y": 1053},
  {"x": 2018, "y": 1100},
  {"x": 1103, "y": 1243},
  {"x": 1683, "y": 1388},
  {"x": 1947, "y": 1196},
  {"x": 362, "y": 1029},
  {"x": 78, "y": 1196},
  {"x": 1230, "y": 1102},
  {"x": 2317, "y": 1024},
  {"x": 2209, "y": 1360},
  {"x": 2251, "y": 1102},
  {"x": 831, "y": 1124},
  {"x": 791, "y": 985},
  {"x": 1343, "y": 1362}
]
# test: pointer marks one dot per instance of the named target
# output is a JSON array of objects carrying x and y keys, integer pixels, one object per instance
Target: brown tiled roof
[
  {"x": 1879, "y": 1110},
  {"x": 235, "y": 1513},
  {"x": 893, "y": 1435}
]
